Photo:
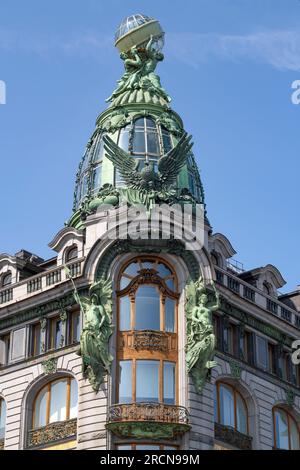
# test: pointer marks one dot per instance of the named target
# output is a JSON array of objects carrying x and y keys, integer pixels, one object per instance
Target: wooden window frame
[
  {"x": 235, "y": 392},
  {"x": 129, "y": 354},
  {"x": 48, "y": 386},
  {"x": 52, "y": 331},
  {"x": 289, "y": 419}
]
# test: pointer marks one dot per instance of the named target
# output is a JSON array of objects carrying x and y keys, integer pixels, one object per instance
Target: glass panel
[
  {"x": 167, "y": 142},
  {"x": 163, "y": 271},
  {"x": 76, "y": 327},
  {"x": 281, "y": 425},
  {"x": 96, "y": 179},
  {"x": 170, "y": 283},
  {"x": 139, "y": 122},
  {"x": 124, "y": 282},
  {"x": 58, "y": 401},
  {"x": 147, "y": 309},
  {"x": 294, "y": 435},
  {"x": 125, "y": 382},
  {"x": 150, "y": 123},
  {"x": 84, "y": 186},
  {"x": 124, "y": 140},
  {"x": 40, "y": 408},
  {"x": 139, "y": 142},
  {"x": 170, "y": 315},
  {"x": 132, "y": 269},
  {"x": 57, "y": 334},
  {"x": 147, "y": 447},
  {"x": 124, "y": 314},
  {"x": 147, "y": 381},
  {"x": 2, "y": 418},
  {"x": 169, "y": 383},
  {"x": 226, "y": 406},
  {"x": 99, "y": 150},
  {"x": 148, "y": 264},
  {"x": 124, "y": 447},
  {"x": 262, "y": 352},
  {"x": 73, "y": 398},
  {"x": 152, "y": 143},
  {"x": 241, "y": 415}
]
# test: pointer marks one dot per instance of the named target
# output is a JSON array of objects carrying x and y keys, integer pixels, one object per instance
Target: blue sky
[{"x": 229, "y": 66}]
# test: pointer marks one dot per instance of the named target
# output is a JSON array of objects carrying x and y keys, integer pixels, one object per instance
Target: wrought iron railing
[
  {"x": 146, "y": 411},
  {"x": 53, "y": 432}
]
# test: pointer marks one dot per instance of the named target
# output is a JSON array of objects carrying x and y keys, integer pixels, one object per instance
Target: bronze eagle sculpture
[{"x": 168, "y": 166}]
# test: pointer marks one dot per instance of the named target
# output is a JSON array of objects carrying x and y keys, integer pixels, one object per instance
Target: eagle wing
[
  {"x": 169, "y": 165},
  {"x": 122, "y": 160}
]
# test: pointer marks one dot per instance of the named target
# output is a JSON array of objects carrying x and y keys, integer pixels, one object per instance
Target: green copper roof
[{"x": 141, "y": 123}]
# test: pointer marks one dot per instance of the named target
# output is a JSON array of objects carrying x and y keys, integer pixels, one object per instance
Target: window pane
[
  {"x": 170, "y": 315},
  {"x": 58, "y": 401},
  {"x": 294, "y": 435},
  {"x": 139, "y": 122},
  {"x": 2, "y": 418},
  {"x": 40, "y": 408},
  {"x": 169, "y": 383},
  {"x": 96, "y": 183},
  {"x": 76, "y": 327},
  {"x": 281, "y": 425},
  {"x": 99, "y": 150},
  {"x": 226, "y": 406},
  {"x": 147, "y": 381},
  {"x": 147, "y": 447},
  {"x": 124, "y": 140},
  {"x": 57, "y": 333},
  {"x": 170, "y": 283},
  {"x": 132, "y": 269},
  {"x": 124, "y": 314},
  {"x": 167, "y": 142},
  {"x": 262, "y": 352},
  {"x": 241, "y": 415},
  {"x": 139, "y": 142},
  {"x": 125, "y": 382},
  {"x": 163, "y": 271},
  {"x": 124, "y": 447},
  {"x": 152, "y": 143},
  {"x": 147, "y": 309},
  {"x": 150, "y": 123},
  {"x": 73, "y": 398}
]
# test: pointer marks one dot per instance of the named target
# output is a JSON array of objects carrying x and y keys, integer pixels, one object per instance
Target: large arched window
[
  {"x": 147, "y": 332},
  {"x": 2, "y": 418},
  {"x": 56, "y": 401},
  {"x": 286, "y": 430},
  {"x": 230, "y": 408}
]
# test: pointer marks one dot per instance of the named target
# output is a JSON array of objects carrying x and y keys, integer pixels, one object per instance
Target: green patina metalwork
[
  {"x": 49, "y": 366},
  {"x": 97, "y": 330},
  {"x": 236, "y": 369},
  {"x": 200, "y": 346},
  {"x": 147, "y": 430},
  {"x": 290, "y": 397},
  {"x": 139, "y": 76}
]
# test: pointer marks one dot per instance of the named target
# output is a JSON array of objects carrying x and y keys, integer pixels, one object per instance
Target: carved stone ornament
[
  {"x": 49, "y": 366},
  {"x": 236, "y": 369},
  {"x": 290, "y": 397},
  {"x": 200, "y": 348}
]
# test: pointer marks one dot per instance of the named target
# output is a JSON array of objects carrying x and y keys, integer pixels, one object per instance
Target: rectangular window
[
  {"x": 262, "y": 352},
  {"x": 147, "y": 381},
  {"x": 170, "y": 315},
  {"x": 55, "y": 334},
  {"x": 74, "y": 328},
  {"x": 35, "y": 348},
  {"x": 4, "y": 349},
  {"x": 125, "y": 382},
  {"x": 147, "y": 308},
  {"x": 169, "y": 383},
  {"x": 272, "y": 358}
]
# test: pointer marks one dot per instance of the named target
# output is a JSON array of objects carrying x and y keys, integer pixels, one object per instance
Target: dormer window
[
  {"x": 6, "y": 279},
  {"x": 72, "y": 254}
]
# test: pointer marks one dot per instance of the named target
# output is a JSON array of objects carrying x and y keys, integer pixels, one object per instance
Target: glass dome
[
  {"x": 131, "y": 22},
  {"x": 145, "y": 140}
]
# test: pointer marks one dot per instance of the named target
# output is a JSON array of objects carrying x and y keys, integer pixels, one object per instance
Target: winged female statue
[
  {"x": 200, "y": 335},
  {"x": 96, "y": 332},
  {"x": 147, "y": 179}
]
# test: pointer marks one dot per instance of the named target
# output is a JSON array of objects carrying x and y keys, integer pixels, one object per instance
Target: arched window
[
  {"x": 56, "y": 401},
  {"x": 2, "y": 418},
  {"x": 230, "y": 408},
  {"x": 286, "y": 430},
  {"x": 6, "y": 279},
  {"x": 72, "y": 253},
  {"x": 147, "y": 332}
]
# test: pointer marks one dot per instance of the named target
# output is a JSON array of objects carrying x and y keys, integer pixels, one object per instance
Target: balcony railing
[
  {"x": 52, "y": 433},
  {"x": 232, "y": 437},
  {"x": 39, "y": 283},
  {"x": 155, "y": 420},
  {"x": 256, "y": 296}
]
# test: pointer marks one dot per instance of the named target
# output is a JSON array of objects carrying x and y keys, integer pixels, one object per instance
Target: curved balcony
[{"x": 148, "y": 420}]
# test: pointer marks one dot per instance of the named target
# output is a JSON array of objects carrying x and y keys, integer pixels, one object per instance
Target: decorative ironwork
[
  {"x": 148, "y": 420},
  {"x": 149, "y": 340},
  {"x": 52, "y": 433},
  {"x": 232, "y": 437}
]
